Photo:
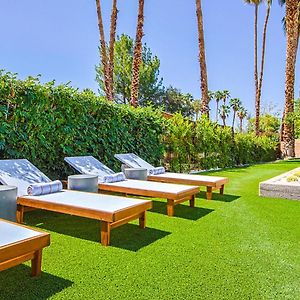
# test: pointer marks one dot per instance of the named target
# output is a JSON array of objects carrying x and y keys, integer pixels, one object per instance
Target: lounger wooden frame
[
  {"x": 108, "y": 220},
  {"x": 173, "y": 199},
  {"x": 31, "y": 248},
  {"x": 210, "y": 185}
]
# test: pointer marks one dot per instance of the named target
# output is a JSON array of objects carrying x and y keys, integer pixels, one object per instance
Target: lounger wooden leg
[
  {"x": 170, "y": 207},
  {"x": 209, "y": 193},
  {"x": 20, "y": 214},
  {"x": 142, "y": 220},
  {"x": 192, "y": 201},
  {"x": 36, "y": 263},
  {"x": 105, "y": 233},
  {"x": 222, "y": 189}
]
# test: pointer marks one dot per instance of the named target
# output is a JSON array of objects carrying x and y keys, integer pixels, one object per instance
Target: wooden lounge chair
[
  {"x": 210, "y": 182},
  {"x": 112, "y": 211},
  {"x": 174, "y": 193},
  {"x": 19, "y": 243}
]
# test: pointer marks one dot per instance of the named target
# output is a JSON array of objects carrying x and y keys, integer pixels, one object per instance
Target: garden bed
[{"x": 285, "y": 186}]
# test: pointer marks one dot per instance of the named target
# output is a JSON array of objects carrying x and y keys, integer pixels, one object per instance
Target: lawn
[{"x": 238, "y": 246}]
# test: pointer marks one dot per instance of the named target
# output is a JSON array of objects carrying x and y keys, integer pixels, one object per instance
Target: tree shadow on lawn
[
  {"x": 129, "y": 236},
  {"x": 217, "y": 197},
  {"x": 16, "y": 283},
  {"x": 181, "y": 211}
]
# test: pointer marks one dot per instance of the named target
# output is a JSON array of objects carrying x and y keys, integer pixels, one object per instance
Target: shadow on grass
[
  {"x": 181, "y": 211},
  {"x": 218, "y": 197},
  {"x": 16, "y": 283},
  {"x": 133, "y": 238},
  {"x": 128, "y": 236}
]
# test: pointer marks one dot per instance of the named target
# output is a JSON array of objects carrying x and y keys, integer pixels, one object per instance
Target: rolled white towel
[
  {"x": 44, "y": 188},
  {"x": 157, "y": 171},
  {"x": 114, "y": 178}
]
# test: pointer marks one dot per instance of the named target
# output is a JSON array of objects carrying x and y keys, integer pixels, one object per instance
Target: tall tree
[
  {"x": 137, "y": 57},
  {"x": 292, "y": 33},
  {"x": 218, "y": 98},
  {"x": 262, "y": 66},
  {"x": 113, "y": 28},
  {"x": 151, "y": 88},
  {"x": 226, "y": 96},
  {"x": 235, "y": 104},
  {"x": 202, "y": 60},
  {"x": 224, "y": 113},
  {"x": 282, "y": 2},
  {"x": 242, "y": 113},
  {"x": 103, "y": 50},
  {"x": 256, "y": 4},
  {"x": 196, "y": 104},
  {"x": 175, "y": 101}
]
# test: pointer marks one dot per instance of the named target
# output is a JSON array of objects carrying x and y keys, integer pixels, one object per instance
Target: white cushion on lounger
[
  {"x": 94, "y": 201},
  {"x": 152, "y": 186},
  {"x": 12, "y": 233}
]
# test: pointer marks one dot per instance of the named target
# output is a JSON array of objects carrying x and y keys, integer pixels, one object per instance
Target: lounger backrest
[
  {"x": 20, "y": 173},
  {"x": 133, "y": 161},
  {"x": 89, "y": 165}
]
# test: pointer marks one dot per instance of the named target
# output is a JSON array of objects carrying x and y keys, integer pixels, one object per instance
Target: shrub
[
  {"x": 207, "y": 145},
  {"x": 44, "y": 123}
]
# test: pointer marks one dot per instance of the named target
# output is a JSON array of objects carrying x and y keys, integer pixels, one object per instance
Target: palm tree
[
  {"x": 226, "y": 95},
  {"x": 202, "y": 60},
  {"x": 242, "y": 113},
  {"x": 113, "y": 28},
  {"x": 256, "y": 3},
  {"x": 218, "y": 98},
  {"x": 197, "y": 106},
  {"x": 224, "y": 113},
  {"x": 137, "y": 56},
  {"x": 258, "y": 93},
  {"x": 211, "y": 96},
  {"x": 292, "y": 32},
  {"x": 103, "y": 50},
  {"x": 235, "y": 104},
  {"x": 282, "y": 2}
]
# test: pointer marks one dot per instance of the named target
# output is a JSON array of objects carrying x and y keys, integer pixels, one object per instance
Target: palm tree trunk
[
  {"x": 292, "y": 19},
  {"x": 137, "y": 58},
  {"x": 103, "y": 49},
  {"x": 257, "y": 104},
  {"x": 233, "y": 121},
  {"x": 202, "y": 60},
  {"x": 113, "y": 28},
  {"x": 241, "y": 124},
  {"x": 217, "y": 114},
  {"x": 262, "y": 62},
  {"x": 224, "y": 123}
]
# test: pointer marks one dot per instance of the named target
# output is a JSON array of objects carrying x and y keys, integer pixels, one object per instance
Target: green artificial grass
[{"x": 237, "y": 246}]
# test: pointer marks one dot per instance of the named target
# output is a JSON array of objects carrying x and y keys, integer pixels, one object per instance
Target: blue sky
[{"x": 59, "y": 40}]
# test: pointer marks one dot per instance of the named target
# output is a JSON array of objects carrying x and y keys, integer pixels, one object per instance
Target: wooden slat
[
  {"x": 66, "y": 209},
  {"x": 213, "y": 183},
  {"x": 16, "y": 261}
]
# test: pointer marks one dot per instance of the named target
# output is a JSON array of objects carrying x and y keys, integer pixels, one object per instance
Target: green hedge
[
  {"x": 206, "y": 145},
  {"x": 44, "y": 123}
]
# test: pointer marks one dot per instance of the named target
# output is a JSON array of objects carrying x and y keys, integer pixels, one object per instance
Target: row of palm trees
[
  {"x": 235, "y": 106},
  {"x": 108, "y": 58},
  {"x": 292, "y": 28},
  {"x": 292, "y": 25},
  {"x": 223, "y": 111}
]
